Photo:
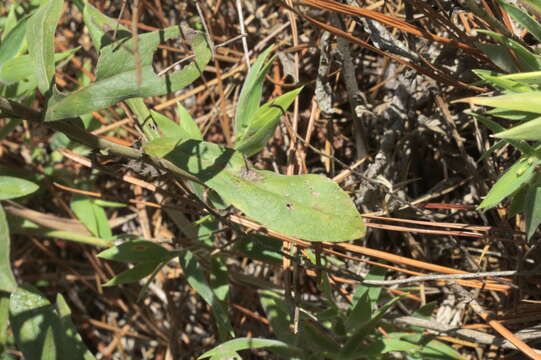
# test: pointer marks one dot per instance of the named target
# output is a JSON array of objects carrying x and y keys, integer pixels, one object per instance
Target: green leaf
[
  {"x": 533, "y": 5},
  {"x": 354, "y": 341},
  {"x": 196, "y": 279},
  {"x": 530, "y": 102},
  {"x": 529, "y": 130},
  {"x": 225, "y": 350},
  {"x": 263, "y": 125},
  {"x": 499, "y": 80},
  {"x": 529, "y": 61},
  {"x": 523, "y": 146},
  {"x": 40, "y": 36},
  {"x": 12, "y": 187},
  {"x": 310, "y": 207},
  {"x": 4, "y": 320},
  {"x": 277, "y": 313},
  {"x": 360, "y": 313},
  {"x": 523, "y": 19},
  {"x": 7, "y": 280},
  {"x": 116, "y": 78},
  {"x": 250, "y": 94},
  {"x": 512, "y": 115},
  {"x": 13, "y": 42},
  {"x": 501, "y": 56},
  {"x": 72, "y": 343},
  {"x": 523, "y": 171},
  {"x": 188, "y": 125},
  {"x": 134, "y": 274},
  {"x": 136, "y": 251},
  {"x": 316, "y": 339},
  {"x": 532, "y": 209},
  {"x": 38, "y": 329},
  {"x": 22, "y": 67},
  {"x": 92, "y": 215}
]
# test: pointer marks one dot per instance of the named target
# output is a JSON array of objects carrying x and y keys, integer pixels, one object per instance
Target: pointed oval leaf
[
  {"x": 40, "y": 36},
  {"x": 7, "y": 280},
  {"x": 13, "y": 42},
  {"x": 530, "y": 62},
  {"x": 530, "y": 102},
  {"x": 529, "y": 130},
  {"x": 33, "y": 320},
  {"x": 250, "y": 95},
  {"x": 12, "y": 187},
  {"x": 263, "y": 125},
  {"x": 309, "y": 207},
  {"x": 136, "y": 251},
  {"x": 225, "y": 350},
  {"x": 188, "y": 124},
  {"x": 523, "y": 19},
  {"x": 532, "y": 209},
  {"x": 523, "y": 171},
  {"x": 134, "y": 274}
]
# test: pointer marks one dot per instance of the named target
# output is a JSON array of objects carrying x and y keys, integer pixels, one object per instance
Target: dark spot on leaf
[{"x": 289, "y": 206}]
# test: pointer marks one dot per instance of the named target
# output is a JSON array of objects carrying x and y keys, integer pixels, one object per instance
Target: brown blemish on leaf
[
  {"x": 140, "y": 247},
  {"x": 249, "y": 174},
  {"x": 289, "y": 206},
  {"x": 315, "y": 194}
]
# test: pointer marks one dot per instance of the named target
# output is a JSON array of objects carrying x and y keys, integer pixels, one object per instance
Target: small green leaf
[
  {"x": 187, "y": 124},
  {"x": 360, "y": 313},
  {"x": 355, "y": 340},
  {"x": 136, "y": 251},
  {"x": 40, "y": 36},
  {"x": 134, "y": 274},
  {"x": 13, "y": 42},
  {"x": 7, "y": 280},
  {"x": 511, "y": 115},
  {"x": 520, "y": 173},
  {"x": 92, "y": 215},
  {"x": 501, "y": 82},
  {"x": 225, "y": 350},
  {"x": 532, "y": 209},
  {"x": 263, "y": 125},
  {"x": 22, "y": 67},
  {"x": 12, "y": 187},
  {"x": 523, "y": 146},
  {"x": 501, "y": 56},
  {"x": 250, "y": 95}
]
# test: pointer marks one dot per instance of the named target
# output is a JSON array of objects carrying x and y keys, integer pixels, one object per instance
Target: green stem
[
  {"x": 19, "y": 111},
  {"x": 65, "y": 235}
]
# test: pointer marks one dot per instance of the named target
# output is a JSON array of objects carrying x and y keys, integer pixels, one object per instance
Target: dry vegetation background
[{"x": 375, "y": 114}]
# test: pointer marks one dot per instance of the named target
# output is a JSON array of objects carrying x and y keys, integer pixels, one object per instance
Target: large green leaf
[
  {"x": 277, "y": 313},
  {"x": 522, "y": 172},
  {"x": 263, "y": 125},
  {"x": 250, "y": 94},
  {"x": 225, "y": 350},
  {"x": 39, "y": 330},
  {"x": 310, "y": 207},
  {"x": 7, "y": 280},
  {"x": 40, "y": 36},
  {"x": 12, "y": 187},
  {"x": 116, "y": 78}
]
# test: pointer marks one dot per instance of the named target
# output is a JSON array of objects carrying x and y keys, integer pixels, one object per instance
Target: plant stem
[{"x": 77, "y": 134}]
